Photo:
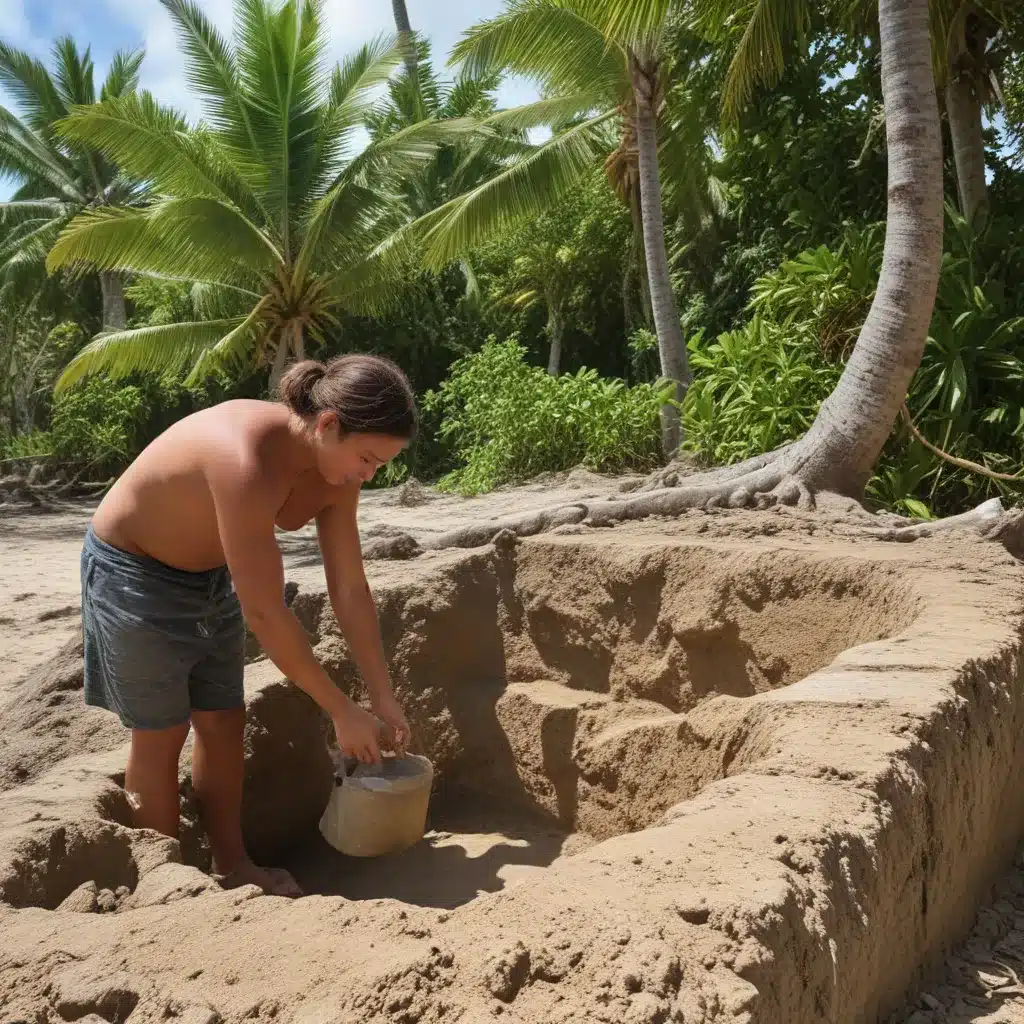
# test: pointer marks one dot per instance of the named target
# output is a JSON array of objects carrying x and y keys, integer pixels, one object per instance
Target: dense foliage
[{"x": 480, "y": 260}]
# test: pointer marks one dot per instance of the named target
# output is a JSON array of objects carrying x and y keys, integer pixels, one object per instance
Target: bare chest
[{"x": 306, "y": 500}]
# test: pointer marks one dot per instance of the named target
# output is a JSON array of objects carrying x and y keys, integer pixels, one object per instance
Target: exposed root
[
  {"x": 987, "y": 517},
  {"x": 953, "y": 460},
  {"x": 766, "y": 482}
]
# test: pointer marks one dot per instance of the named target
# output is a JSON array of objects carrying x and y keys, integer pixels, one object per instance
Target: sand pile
[{"x": 686, "y": 772}]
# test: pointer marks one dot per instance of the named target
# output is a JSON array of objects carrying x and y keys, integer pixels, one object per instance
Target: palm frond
[
  {"x": 408, "y": 150},
  {"x": 769, "y": 27},
  {"x": 188, "y": 239},
  {"x": 523, "y": 190},
  {"x": 25, "y": 155},
  {"x": 167, "y": 349},
  {"x": 28, "y": 81},
  {"x": 359, "y": 75},
  {"x": 557, "y": 111},
  {"x": 153, "y": 143},
  {"x": 279, "y": 56},
  {"x": 74, "y": 73},
  {"x": 16, "y": 211},
  {"x": 352, "y": 94},
  {"x": 31, "y": 240},
  {"x": 342, "y": 226},
  {"x": 123, "y": 74},
  {"x": 233, "y": 351},
  {"x": 212, "y": 71},
  {"x": 636, "y": 23},
  {"x": 551, "y": 42},
  {"x": 372, "y": 285}
]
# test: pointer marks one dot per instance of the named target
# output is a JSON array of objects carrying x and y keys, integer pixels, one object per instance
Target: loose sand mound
[{"x": 686, "y": 772}]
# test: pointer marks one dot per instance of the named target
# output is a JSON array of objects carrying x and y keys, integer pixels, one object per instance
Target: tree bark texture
[
  {"x": 963, "y": 111},
  {"x": 671, "y": 344},
  {"x": 115, "y": 314}
]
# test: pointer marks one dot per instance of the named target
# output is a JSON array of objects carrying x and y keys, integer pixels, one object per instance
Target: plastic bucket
[{"x": 379, "y": 808}]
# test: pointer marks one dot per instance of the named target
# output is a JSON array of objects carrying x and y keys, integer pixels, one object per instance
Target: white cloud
[{"x": 14, "y": 24}]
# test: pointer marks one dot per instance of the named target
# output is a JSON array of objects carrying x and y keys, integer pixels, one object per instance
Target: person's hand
[
  {"x": 359, "y": 733},
  {"x": 390, "y": 712}
]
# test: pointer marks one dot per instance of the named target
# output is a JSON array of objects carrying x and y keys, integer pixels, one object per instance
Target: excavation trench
[{"x": 566, "y": 693}]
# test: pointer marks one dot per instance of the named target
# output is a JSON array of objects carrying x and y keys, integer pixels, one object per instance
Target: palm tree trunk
[
  {"x": 401, "y": 13},
  {"x": 963, "y": 109},
  {"x": 840, "y": 450},
  {"x": 555, "y": 330},
  {"x": 278, "y": 365},
  {"x": 115, "y": 315},
  {"x": 671, "y": 345}
]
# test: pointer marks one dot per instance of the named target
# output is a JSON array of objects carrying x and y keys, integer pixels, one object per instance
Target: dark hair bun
[
  {"x": 368, "y": 394},
  {"x": 297, "y": 384}
]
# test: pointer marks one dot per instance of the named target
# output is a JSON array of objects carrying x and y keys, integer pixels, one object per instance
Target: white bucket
[{"x": 379, "y": 808}]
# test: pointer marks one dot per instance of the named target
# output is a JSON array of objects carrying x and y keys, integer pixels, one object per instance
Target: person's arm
[
  {"x": 354, "y": 607},
  {"x": 245, "y": 520}
]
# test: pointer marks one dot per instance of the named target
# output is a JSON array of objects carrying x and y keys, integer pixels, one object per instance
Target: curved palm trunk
[
  {"x": 841, "y": 448},
  {"x": 671, "y": 345},
  {"x": 115, "y": 315},
  {"x": 963, "y": 109}
]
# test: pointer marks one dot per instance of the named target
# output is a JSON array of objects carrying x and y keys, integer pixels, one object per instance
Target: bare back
[{"x": 163, "y": 505}]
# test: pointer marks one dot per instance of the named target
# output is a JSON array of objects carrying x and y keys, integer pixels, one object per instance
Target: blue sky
[{"x": 110, "y": 25}]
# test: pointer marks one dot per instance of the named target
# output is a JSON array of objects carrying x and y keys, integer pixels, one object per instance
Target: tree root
[{"x": 765, "y": 482}]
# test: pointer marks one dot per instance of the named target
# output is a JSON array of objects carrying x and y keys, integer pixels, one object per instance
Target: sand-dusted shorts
[{"x": 159, "y": 642}]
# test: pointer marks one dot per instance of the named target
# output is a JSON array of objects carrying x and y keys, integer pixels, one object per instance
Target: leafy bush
[
  {"x": 506, "y": 420},
  {"x": 754, "y": 389}
]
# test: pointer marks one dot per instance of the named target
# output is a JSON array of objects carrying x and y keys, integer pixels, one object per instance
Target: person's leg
[
  {"x": 217, "y": 770},
  {"x": 218, "y": 767},
  {"x": 151, "y": 778}
]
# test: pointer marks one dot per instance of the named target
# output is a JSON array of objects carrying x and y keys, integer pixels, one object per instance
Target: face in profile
[{"x": 344, "y": 458}]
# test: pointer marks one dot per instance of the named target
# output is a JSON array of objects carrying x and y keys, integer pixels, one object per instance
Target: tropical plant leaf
[
  {"x": 73, "y": 72},
  {"x": 123, "y": 75},
  {"x": 522, "y": 190},
  {"x": 25, "y": 155},
  {"x": 187, "y": 239},
  {"x": 233, "y": 351},
  {"x": 167, "y": 349},
  {"x": 34, "y": 91},
  {"x": 551, "y": 42},
  {"x": 153, "y": 143},
  {"x": 556, "y": 112}
]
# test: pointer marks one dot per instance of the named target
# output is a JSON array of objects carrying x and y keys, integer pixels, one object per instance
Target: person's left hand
[{"x": 390, "y": 712}]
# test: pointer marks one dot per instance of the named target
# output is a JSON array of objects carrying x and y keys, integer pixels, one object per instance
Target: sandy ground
[{"x": 475, "y": 847}]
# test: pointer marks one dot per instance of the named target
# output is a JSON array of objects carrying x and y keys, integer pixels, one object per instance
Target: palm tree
[
  {"x": 600, "y": 65},
  {"x": 57, "y": 180},
  {"x": 266, "y": 205},
  {"x": 840, "y": 450},
  {"x": 469, "y": 160}
]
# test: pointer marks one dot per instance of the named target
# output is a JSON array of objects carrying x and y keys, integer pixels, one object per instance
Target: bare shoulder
[{"x": 240, "y": 444}]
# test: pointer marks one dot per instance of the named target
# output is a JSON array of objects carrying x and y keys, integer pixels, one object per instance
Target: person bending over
[{"x": 183, "y": 547}]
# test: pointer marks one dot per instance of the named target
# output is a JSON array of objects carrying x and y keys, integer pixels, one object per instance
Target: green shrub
[
  {"x": 506, "y": 420},
  {"x": 754, "y": 389}
]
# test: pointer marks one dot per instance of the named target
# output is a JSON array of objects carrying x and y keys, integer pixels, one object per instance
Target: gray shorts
[{"x": 159, "y": 642}]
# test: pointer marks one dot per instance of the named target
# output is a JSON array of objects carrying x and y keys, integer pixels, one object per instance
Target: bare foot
[{"x": 273, "y": 881}]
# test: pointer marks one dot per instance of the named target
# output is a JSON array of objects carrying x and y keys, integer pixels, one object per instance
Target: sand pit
[{"x": 735, "y": 767}]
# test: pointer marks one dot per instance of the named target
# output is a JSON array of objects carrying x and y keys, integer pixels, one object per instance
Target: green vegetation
[{"x": 696, "y": 242}]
